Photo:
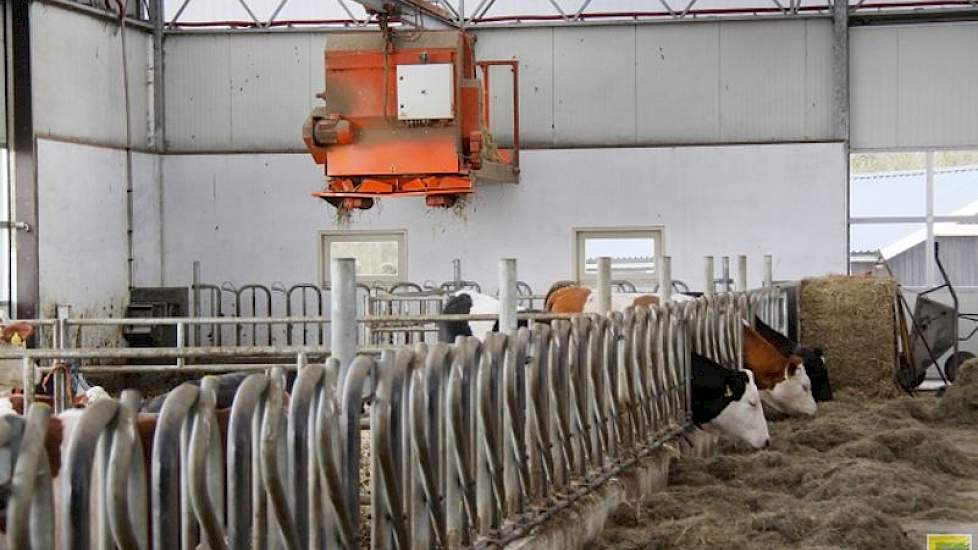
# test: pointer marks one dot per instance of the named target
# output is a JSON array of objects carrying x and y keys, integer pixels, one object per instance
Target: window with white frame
[
  {"x": 633, "y": 252},
  {"x": 902, "y": 203},
  {"x": 381, "y": 256}
]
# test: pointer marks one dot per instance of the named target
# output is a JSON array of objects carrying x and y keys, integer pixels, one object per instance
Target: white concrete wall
[
  {"x": 913, "y": 86},
  {"x": 733, "y": 81},
  {"x": 76, "y": 64},
  {"x": 79, "y": 96},
  {"x": 82, "y": 227},
  {"x": 249, "y": 218}
]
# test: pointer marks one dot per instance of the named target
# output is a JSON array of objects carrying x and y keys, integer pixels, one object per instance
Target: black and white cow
[
  {"x": 470, "y": 303},
  {"x": 727, "y": 402},
  {"x": 812, "y": 358}
]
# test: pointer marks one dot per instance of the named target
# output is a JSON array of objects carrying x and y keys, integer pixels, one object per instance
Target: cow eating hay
[{"x": 854, "y": 476}]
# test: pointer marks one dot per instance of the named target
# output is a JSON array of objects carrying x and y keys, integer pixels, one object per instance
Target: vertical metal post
[
  {"x": 22, "y": 156},
  {"x": 666, "y": 288},
  {"x": 604, "y": 285},
  {"x": 840, "y": 93},
  {"x": 196, "y": 299},
  {"x": 343, "y": 313},
  {"x": 507, "y": 295},
  {"x": 768, "y": 270},
  {"x": 301, "y": 360},
  {"x": 709, "y": 284},
  {"x": 725, "y": 267},
  {"x": 658, "y": 270},
  {"x": 840, "y": 69},
  {"x": 61, "y": 377},
  {"x": 742, "y": 272},
  {"x": 181, "y": 337},
  {"x": 63, "y": 312},
  {"x": 27, "y": 371},
  {"x": 457, "y": 273},
  {"x": 929, "y": 269}
]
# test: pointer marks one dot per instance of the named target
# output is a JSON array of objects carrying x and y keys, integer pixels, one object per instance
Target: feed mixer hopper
[{"x": 406, "y": 114}]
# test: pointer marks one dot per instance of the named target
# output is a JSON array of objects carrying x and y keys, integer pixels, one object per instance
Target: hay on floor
[
  {"x": 852, "y": 319},
  {"x": 959, "y": 405},
  {"x": 849, "y": 478}
]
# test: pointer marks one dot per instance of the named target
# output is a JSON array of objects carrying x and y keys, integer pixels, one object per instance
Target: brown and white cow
[
  {"x": 784, "y": 385},
  {"x": 580, "y": 299}
]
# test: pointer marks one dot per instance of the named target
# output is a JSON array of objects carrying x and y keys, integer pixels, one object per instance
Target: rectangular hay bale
[{"x": 853, "y": 320}]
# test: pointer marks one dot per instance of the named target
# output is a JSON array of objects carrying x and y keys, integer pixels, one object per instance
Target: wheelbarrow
[{"x": 935, "y": 330}]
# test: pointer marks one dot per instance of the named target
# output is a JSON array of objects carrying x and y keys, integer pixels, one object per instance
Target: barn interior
[{"x": 527, "y": 274}]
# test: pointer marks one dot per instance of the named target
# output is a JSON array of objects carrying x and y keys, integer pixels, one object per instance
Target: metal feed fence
[
  {"x": 470, "y": 444},
  {"x": 274, "y": 315}
]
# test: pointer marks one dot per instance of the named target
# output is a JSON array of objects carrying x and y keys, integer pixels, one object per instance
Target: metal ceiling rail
[{"x": 453, "y": 12}]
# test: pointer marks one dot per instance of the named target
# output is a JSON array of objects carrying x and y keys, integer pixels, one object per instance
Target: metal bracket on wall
[{"x": 23, "y": 226}]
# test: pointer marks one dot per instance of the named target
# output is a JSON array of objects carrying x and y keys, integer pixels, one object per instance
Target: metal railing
[
  {"x": 471, "y": 444},
  {"x": 520, "y": 423}
]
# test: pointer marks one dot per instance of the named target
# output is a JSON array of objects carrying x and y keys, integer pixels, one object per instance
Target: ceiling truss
[{"x": 468, "y": 13}]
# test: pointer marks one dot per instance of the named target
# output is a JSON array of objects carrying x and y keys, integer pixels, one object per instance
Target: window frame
[
  {"x": 928, "y": 219},
  {"x": 369, "y": 235},
  {"x": 579, "y": 235}
]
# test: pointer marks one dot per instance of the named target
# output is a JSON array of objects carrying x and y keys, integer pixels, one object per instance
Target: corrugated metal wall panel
[
  {"x": 594, "y": 86},
  {"x": 535, "y": 50},
  {"x": 762, "y": 80},
  {"x": 873, "y": 86},
  {"x": 270, "y": 90},
  {"x": 938, "y": 79},
  {"x": 678, "y": 82},
  {"x": 579, "y": 86},
  {"x": 914, "y": 86},
  {"x": 818, "y": 79},
  {"x": 198, "y": 92},
  {"x": 77, "y": 77},
  {"x": 317, "y": 74}
]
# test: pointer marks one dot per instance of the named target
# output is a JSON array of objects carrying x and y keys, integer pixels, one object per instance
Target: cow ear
[
  {"x": 22, "y": 331},
  {"x": 791, "y": 370}
]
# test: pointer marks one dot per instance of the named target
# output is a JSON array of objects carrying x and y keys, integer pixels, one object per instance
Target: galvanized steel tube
[
  {"x": 768, "y": 270},
  {"x": 725, "y": 269},
  {"x": 742, "y": 273},
  {"x": 708, "y": 271},
  {"x": 343, "y": 312},
  {"x": 507, "y": 295},
  {"x": 666, "y": 287},
  {"x": 27, "y": 372},
  {"x": 195, "y": 311},
  {"x": 604, "y": 284}
]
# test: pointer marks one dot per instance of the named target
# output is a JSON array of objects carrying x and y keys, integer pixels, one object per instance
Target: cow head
[
  {"x": 792, "y": 395},
  {"x": 743, "y": 418},
  {"x": 814, "y": 360},
  {"x": 460, "y": 303},
  {"x": 727, "y": 402}
]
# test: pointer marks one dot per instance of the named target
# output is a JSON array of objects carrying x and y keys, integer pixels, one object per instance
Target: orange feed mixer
[{"x": 405, "y": 114}]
